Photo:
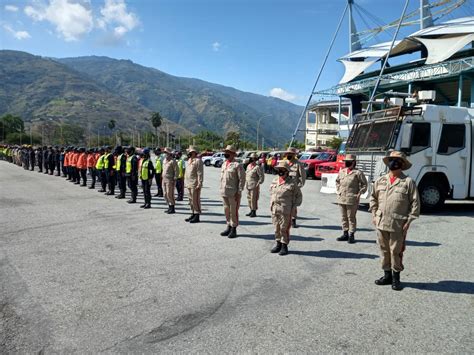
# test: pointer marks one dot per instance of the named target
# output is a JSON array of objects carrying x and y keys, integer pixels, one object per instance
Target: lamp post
[{"x": 258, "y": 125}]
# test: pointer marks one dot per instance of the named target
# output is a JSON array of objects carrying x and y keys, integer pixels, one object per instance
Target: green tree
[
  {"x": 296, "y": 144},
  {"x": 112, "y": 124},
  {"x": 156, "y": 121},
  {"x": 232, "y": 137},
  {"x": 334, "y": 143},
  {"x": 207, "y": 140},
  {"x": 11, "y": 124}
]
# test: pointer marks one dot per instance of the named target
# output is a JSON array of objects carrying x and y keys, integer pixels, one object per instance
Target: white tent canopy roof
[{"x": 441, "y": 41}]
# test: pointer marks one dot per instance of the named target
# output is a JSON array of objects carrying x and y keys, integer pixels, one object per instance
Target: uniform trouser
[
  {"x": 180, "y": 188},
  {"x": 110, "y": 180},
  {"x": 93, "y": 174},
  {"x": 348, "y": 214},
  {"x": 194, "y": 197},
  {"x": 282, "y": 223},
  {"x": 168, "y": 189},
  {"x": 122, "y": 182},
  {"x": 392, "y": 246},
  {"x": 51, "y": 168},
  {"x": 40, "y": 166},
  {"x": 58, "y": 168},
  {"x": 132, "y": 184},
  {"x": 252, "y": 197},
  {"x": 231, "y": 209},
  {"x": 146, "y": 186},
  {"x": 83, "y": 173},
  {"x": 103, "y": 180},
  {"x": 158, "y": 183},
  {"x": 77, "y": 175},
  {"x": 32, "y": 165}
]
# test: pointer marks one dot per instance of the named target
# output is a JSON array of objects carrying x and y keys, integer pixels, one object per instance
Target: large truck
[{"x": 438, "y": 141}]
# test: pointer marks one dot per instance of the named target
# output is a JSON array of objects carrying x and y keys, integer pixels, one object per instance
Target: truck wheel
[
  {"x": 207, "y": 163},
  {"x": 432, "y": 196}
]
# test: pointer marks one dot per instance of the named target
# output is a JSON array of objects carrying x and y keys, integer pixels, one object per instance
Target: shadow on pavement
[
  {"x": 253, "y": 223},
  {"x": 443, "y": 286},
  {"x": 408, "y": 242},
  {"x": 454, "y": 209},
  {"x": 333, "y": 228},
  {"x": 334, "y": 254},
  {"x": 272, "y": 237}
]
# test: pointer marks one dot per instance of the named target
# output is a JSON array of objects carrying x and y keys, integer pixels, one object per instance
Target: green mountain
[
  {"x": 192, "y": 103},
  {"x": 41, "y": 89}
]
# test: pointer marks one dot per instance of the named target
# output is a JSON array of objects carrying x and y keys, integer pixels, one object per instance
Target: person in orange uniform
[
  {"x": 82, "y": 166},
  {"x": 67, "y": 157},
  {"x": 91, "y": 166},
  {"x": 74, "y": 158}
]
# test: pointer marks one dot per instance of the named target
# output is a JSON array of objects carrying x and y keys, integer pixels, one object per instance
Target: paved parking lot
[{"x": 82, "y": 272}]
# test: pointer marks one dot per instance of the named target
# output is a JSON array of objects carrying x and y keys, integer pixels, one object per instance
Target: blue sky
[{"x": 262, "y": 46}]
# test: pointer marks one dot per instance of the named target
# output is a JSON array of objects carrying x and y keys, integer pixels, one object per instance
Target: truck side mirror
[{"x": 405, "y": 144}]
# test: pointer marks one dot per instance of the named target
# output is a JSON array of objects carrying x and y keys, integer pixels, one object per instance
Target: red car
[
  {"x": 310, "y": 165},
  {"x": 332, "y": 167}
]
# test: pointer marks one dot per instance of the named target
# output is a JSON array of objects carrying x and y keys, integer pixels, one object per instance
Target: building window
[
  {"x": 421, "y": 137},
  {"x": 453, "y": 139}
]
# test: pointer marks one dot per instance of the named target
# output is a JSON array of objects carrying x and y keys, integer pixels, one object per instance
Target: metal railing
[{"x": 426, "y": 72}]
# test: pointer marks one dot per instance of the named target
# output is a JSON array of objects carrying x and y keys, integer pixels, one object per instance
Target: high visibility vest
[
  {"x": 100, "y": 162},
  {"x": 128, "y": 165},
  {"x": 144, "y": 171},
  {"x": 119, "y": 161},
  {"x": 158, "y": 167},
  {"x": 180, "y": 169},
  {"x": 106, "y": 160}
]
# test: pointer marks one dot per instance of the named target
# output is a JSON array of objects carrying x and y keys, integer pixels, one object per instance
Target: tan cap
[
  {"x": 230, "y": 148},
  {"x": 192, "y": 149},
  {"x": 350, "y": 157},
  {"x": 168, "y": 150},
  {"x": 398, "y": 155},
  {"x": 283, "y": 164},
  {"x": 291, "y": 150},
  {"x": 253, "y": 156}
]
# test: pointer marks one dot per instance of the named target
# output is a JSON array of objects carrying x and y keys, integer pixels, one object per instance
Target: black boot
[
  {"x": 190, "y": 218},
  {"x": 249, "y": 214},
  {"x": 293, "y": 223},
  {"x": 91, "y": 187},
  {"x": 386, "y": 279},
  {"x": 168, "y": 210},
  {"x": 344, "y": 237},
  {"x": 143, "y": 206},
  {"x": 233, "y": 232},
  {"x": 253, "y": 214},
  {"x": 351, "y": 238},
  {"x": 396, "y": 286},
  {"x": 131, "y": 201},
  {"x": 195, "y": 219},
  {"x": 284, "y": 250},
  {"x": 226, "y": 232},
  {"x": 147, "y": 206},
  {"x": 276, "y": 248},
  {"x": 172, "y": 211}
]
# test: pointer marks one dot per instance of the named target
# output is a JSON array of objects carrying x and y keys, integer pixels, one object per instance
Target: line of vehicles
[{"x": 315, "y": 162}]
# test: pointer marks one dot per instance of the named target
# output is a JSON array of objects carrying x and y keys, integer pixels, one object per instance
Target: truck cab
[{"x": 437, "y": 140}]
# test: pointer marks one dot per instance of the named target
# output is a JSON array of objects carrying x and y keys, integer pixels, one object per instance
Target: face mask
[
  {"x": 348, "y": 164},
  {"x": 251, "y": 160},
  {"x": 227, "y": 156},
  {"x": 394, "y": 165},
  {"x": 282, "y": 173},
  {"x": 289, "y": 157}
]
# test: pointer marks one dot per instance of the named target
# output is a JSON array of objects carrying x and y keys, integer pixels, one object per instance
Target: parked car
[
  {"x": 217, "y": 161},
  {"x": 207, "y": 159},
  {"x": 332, "y": 167},
  {"x": 310, "y": 165}
]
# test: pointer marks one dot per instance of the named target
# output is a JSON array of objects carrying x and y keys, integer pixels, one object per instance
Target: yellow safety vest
[
  {"x": 128, "y": 165},
  {"x": 144, "y": 173},
  {"x": 119, "y": 161},
  {"x": 180, "y": 169},
  {"x": 100, "y": 162},
  {"x": 106, "y": 160},
  {"x": 158, "y": 167}
]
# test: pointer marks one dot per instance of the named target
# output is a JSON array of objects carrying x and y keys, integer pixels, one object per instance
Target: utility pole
[
  {"x": 167, "y": 135},
  {"x": 31, "y": 137}
]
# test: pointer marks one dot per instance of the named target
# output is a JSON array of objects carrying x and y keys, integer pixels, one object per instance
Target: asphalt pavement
[{"x": 83, "y": 272}]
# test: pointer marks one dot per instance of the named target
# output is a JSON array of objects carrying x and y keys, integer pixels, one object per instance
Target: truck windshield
[{"x": 375, "y": 131}]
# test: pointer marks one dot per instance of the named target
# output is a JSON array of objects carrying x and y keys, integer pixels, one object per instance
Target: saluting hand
[{"x": 405, "y": 227}]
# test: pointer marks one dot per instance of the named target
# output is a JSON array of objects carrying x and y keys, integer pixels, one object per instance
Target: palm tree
[
  {"x": 156, "y": 121},
  {"x": 111, "y": 125}
]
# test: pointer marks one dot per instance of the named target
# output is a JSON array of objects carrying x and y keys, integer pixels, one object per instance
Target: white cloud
[
  {"x": 282, "y": 94},
  {"x": 72, "y": 18},
  {"x": 17, "y": 34},
  {"x": 11, "y": 8},
  {"x": 115, "y": 14},
  {"x": 216, "y": 46}
]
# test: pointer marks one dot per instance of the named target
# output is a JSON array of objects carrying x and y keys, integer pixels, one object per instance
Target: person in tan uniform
[
  {"x": 394, "y": 204},
  {"x": 169, "y": 176},
  {"x": 285, "y": 197},
  {"x": 350, "y": 184},
  {"x": 254, "y": 177},
  {"x": 193, "y": 179},
  {"x": 298, "y": 174},
  {"x": 231, "y": 187}
]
